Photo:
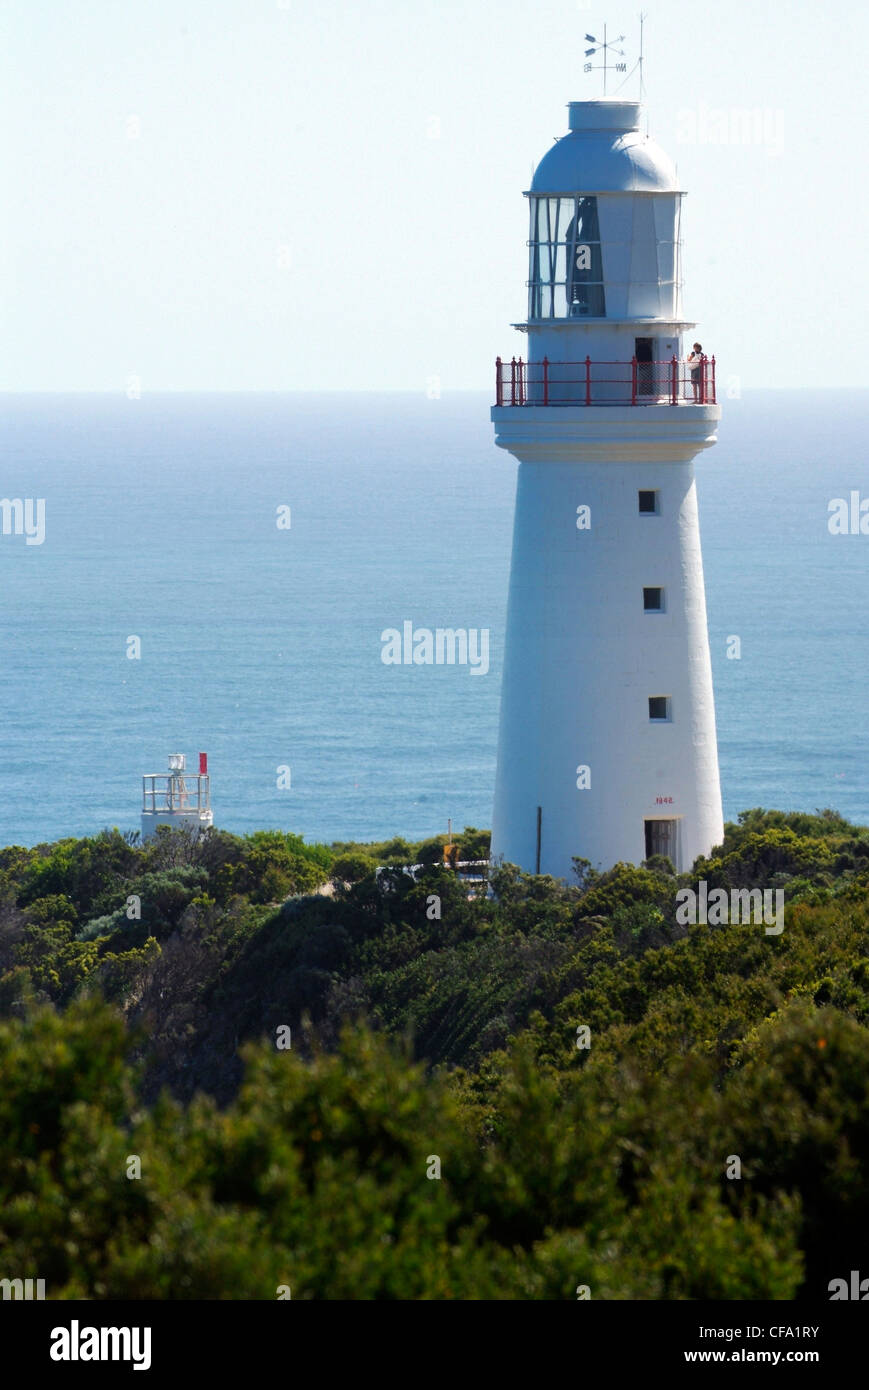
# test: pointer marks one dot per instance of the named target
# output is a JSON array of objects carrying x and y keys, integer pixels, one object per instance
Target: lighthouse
[
  {"x": 177, "y": 798},
  {"x": 607, "y": 746}
]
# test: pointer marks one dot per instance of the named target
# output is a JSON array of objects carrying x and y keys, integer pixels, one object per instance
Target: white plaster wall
[
  {"x": 582, "y": 657},
  {"x": 150, "y": 820}
]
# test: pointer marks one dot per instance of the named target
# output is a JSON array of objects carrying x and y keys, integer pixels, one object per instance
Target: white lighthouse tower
[
  {"x": 177, "y": 798},
  {"x": 607, "y": 743}
]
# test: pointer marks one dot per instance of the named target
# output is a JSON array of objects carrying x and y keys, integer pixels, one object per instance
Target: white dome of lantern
[{"x": 604, "y": 150}]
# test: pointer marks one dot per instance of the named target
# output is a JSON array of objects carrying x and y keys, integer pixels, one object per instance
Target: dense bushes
[
  {"x": 586, "y": 1072},
  {"x": 355, "y": 1176}
]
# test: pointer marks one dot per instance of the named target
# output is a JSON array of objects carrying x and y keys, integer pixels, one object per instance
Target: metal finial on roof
[{"x": 606, "y": 47}]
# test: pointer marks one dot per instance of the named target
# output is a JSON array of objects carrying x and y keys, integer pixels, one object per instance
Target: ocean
[{"x": 262, "y": 645}]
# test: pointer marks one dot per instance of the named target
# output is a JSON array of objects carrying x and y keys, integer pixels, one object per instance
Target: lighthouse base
[{"x": 196, "y": 821}]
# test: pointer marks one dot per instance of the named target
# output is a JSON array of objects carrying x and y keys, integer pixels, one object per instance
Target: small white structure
[
  {"x": 177, "y": 797},
  {"x": 607, "y": 745}
]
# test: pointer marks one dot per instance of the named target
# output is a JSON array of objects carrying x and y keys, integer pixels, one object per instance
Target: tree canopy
[{"x": 236, "y": 1064}]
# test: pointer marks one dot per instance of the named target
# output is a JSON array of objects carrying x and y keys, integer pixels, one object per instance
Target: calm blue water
[{"x": 262, "y": 646}]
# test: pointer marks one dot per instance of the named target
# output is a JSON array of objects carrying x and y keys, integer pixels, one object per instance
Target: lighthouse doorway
[
  {"x": 662, "y": 837},
  {"x": 644, "y": 350}
]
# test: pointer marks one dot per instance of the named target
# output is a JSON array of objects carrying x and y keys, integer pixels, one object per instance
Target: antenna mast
[{"x": 642, "y": 83}]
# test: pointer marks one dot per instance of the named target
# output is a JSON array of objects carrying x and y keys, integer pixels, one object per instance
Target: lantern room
[
  {"x": 605, "y": 215},
  {"x": 177, "y": 798}
]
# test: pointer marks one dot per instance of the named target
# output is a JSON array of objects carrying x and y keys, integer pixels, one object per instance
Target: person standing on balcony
[{"x": 695, "y": 366}]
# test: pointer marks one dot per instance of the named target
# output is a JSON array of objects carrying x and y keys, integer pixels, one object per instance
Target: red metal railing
[{"x": 604, "y": 383}]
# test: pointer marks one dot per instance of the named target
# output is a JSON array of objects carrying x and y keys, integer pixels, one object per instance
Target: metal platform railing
[
  {"x": 634, "y": 382},
  {"x": 161, "y": 791}
]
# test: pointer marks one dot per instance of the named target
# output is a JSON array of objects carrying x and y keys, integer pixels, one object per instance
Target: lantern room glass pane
[
  {"x": 585, "y": 280},
  {"x": 566, "y": 266}
]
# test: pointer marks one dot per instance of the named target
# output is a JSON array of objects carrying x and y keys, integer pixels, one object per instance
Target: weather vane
[
  {"x": 609, "y": 47},
  {"x": 602, "y": 46}
]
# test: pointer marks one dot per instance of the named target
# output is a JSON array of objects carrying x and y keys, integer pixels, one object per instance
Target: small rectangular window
[
  {"x": 659, "y": 707},
  {"x": 653, "y": 600},
  {"x": 648, "y": 502}
]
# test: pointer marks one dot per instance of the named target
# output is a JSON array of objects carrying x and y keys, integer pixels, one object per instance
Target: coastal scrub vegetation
[{"x": 234, "y": 1065}]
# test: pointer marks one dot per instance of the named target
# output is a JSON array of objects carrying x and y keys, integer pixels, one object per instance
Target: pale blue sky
[{"x": 284, "y": 218}]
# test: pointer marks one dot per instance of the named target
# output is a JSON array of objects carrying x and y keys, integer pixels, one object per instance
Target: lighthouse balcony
[{"x": 632, "y": 382}]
